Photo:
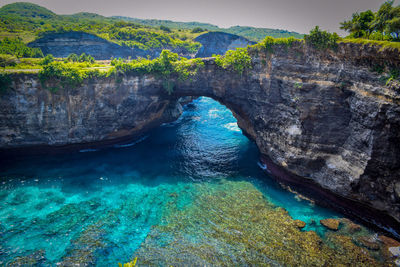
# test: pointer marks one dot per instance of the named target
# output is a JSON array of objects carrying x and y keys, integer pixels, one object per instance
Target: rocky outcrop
[
  {"x": 219, "y": 42},
  {"x": 100, "y": 111},
  {"x": 64, "y": 44},
  {"x": 322, "y": 116}
]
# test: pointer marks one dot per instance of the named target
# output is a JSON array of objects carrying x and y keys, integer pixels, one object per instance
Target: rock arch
[{"x": 323, "y": 116}]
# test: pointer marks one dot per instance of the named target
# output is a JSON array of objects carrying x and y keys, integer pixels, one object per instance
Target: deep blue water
[{"x": 53, "y": 203}]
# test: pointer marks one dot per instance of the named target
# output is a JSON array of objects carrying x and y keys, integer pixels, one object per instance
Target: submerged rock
[
  {"x": 350, "y": 226},
  {"x": 369, "y": 242},
  {"x": 300, "y": 224},
  {"x": 331, "y": 224},
  {"x": 37, "y": 258},
  {"x": 387, "y": 241}
]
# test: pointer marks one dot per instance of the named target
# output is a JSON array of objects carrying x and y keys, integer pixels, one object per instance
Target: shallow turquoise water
[{"x": 104, "y": 203}]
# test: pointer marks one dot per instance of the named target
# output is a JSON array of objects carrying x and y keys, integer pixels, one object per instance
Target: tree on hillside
[
  {"x": 381, "y": 25},
  {"x": 360, "y": 25},
  {"x": 382, "y": 16}
]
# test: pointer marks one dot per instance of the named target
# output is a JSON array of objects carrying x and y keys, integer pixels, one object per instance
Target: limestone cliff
[
  {"x": 219, "y": 42},
  {"x": 64, "y": 44},
  {"x": 320, "y": 115}
]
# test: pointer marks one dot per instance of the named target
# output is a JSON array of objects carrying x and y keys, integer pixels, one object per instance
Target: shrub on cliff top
[
  {"x": 269, "y": 42},
  {"x": 7, "y": 61},
  {"x": 169, "y": 66},
  {"x": 64, "y": 74},
  {"x": 238, "y": 59},
  {"x": 322, "y": 39}
]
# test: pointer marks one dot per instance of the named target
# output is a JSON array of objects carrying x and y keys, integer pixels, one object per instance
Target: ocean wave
[
  {"x": 133, "y": 143},
  {"x": 232, "y": 127}
]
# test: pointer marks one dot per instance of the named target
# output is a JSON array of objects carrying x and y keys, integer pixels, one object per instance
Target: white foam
[{"x": 232, "y": 127}]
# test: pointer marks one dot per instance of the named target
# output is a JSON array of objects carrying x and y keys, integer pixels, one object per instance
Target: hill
[
  {"x": 23, "y": 9},
  {"x": 30, "y": 22},
  {"x": 251, "y": 33}
]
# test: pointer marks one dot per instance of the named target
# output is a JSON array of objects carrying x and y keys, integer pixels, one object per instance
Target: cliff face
[
  {"x": 320, "y": 115},
  {"x": 219, "y": 42},
  {"x": 64, "y": 44},
  {"x": 100, "y": 110}
]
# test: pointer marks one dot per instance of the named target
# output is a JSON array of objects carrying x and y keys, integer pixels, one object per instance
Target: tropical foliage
[
  {"x": 169, "y": 66},
  {"x": 381, "y": 25},
  {"x": 15, "y": 47},
  {"x": 25, "y": 19},
  {"x": 238, "y": 60},
  {"x": 269, "y": 42},
  {"x": 322, "y": 39},
  {"x": 65, "y": 74}
]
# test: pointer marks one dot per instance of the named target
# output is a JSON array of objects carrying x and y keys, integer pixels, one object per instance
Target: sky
[{"x": 292, "y": 15}]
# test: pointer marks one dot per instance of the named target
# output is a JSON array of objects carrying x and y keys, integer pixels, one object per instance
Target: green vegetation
[
  {"x": 322, "y": 39},
  {"x": 168, "y": 66},
  {"x": 7, "y": 61},
  {"x": 383, "y": 25},
  {"x": 65, "y": 74},
  {"x": 239, "y": 60},
  {"x": 134, "y": 36},
  {"x": 47, "y": 60},
  {"x": 25, "y": 19},
  {"x": 198, "y": 30},
  {"x": 382, "y": 44},
  {"x": 251, "y": 33},
  {"x": 269, "y": 42},
  {"x": 15, "y": 47},
  {"x": 258, "y": 34}
]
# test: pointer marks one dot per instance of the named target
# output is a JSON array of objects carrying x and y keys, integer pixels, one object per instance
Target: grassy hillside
[
  {"x": 258, "y": 34},
  {"x": 171, "y": 24},
  {"x": 251, "y": 33},
  {"x": 29, "y": 21}
]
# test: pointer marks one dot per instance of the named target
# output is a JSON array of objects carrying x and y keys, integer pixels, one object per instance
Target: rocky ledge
[{"x": 322, "y": 116}]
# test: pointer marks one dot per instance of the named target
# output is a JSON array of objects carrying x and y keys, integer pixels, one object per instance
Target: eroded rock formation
[
  {"x": 320, "y": 115},
  {"x": 66, "y": 43},
  {"x": 219, "y": 42}
]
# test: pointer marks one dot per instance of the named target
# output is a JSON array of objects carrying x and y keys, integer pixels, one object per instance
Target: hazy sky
[{"x": 293, "y": 15}]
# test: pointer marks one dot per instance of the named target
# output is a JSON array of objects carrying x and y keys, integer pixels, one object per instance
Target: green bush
[
  {"x": 73, "y": 58},
  {"x": 86, "y": 58},
  {"x": 169, "y": 66},
  {"x": 269, "y": 42},
  {"x": 7, "y": 61},
  {"x": 165, "y": 28},
  {"x": 322, "y": 39},
  {"x": 47, "y": 60},
  {"x": 18, "y": 48},
  {"x": 198, "y": 30},
  {"x": 239, "y": 60},
  {"x": 63, "y": 74}
]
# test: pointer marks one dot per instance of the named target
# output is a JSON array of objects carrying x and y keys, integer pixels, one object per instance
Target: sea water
[{"x": 98, "y": 207}]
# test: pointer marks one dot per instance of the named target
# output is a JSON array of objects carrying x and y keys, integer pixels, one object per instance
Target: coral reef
[{"x": 232, "y": 224}]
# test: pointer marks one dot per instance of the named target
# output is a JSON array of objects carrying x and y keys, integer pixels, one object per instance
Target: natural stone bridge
[{"x": 316, "y": 115}]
